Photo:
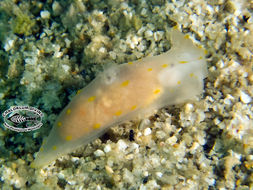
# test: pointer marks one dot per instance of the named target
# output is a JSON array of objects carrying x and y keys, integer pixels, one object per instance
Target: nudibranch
[{"x": 125, "y": 91}]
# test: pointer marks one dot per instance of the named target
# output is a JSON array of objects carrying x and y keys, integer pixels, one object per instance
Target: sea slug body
[{"x": 125, "y": 91}]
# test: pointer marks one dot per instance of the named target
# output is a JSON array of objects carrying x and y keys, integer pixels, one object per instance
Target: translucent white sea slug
[{"x": 125, "y": 91}]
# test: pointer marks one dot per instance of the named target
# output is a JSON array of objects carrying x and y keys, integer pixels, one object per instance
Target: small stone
[
  {"x": 9, "y": 44},
  {"x": 108, "y": 170},
  {"x": 71, "y": 182},
  {"x": 58, "y": 54},
  {"x": 124, "y": 5},
  {"x": 194, "y": 147},
  {"x": 145, "y": 173},
  {"x": 161, "y": 134},
  {"x": 66, "y": 68},
  {"x": 148, "y": 33},
  {"x": 56, "y": 8},
  {"x": 189, "y": 108},
  {"x": 99, "y": 153},
  {"x": 102, "y": 50},
  {"x": 210, "y": 181},
  {"x": 172, "y": 140},
  {"x": 245, "y": 98},
  {"x": 68, "y": 42},
  {"x": 137, "y": 22},
  {"x": 107, "y": 148},
  {"x": 113, "y": 55},
  {"x": 147, "y": 132},
  {"x": 61, "y": 175},
  {"x": 122, "y": 145},
  {"x": 227, "y": 101},
  {"x": 45, "y": 14},
  {"x": 74, "y": 159},
  {"x": 159, "y": 174},
  {"x": 134, "y": 146},
  {"x": 158, "y": 35},
  {"x": 216, "y": 121},
  {"x": 144, "y": 12}
]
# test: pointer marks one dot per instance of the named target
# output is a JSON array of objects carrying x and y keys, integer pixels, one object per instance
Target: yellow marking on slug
[
  {"x": 118, "y": 113},
  {"x": 54, "y": 147},
  {"x": 245, "y": 146},
  {"x": 200, "y": 58},
  {"x": 59, "y": 124},
  {"x": 125, "y": 83},
  {"x": 130, "y": 63},
  {"x": 68, "y": 138},
  {"x": 183, "y": 62},
  {"x": 157, "y": 91},
  {"x": 199, "y": 46},
  {"x": 191, "y": 75},
  {"x": 176, "y": 27},
  {"x": 41, "y": 149},
  {"x": 92, "y": 98},
  {"x": 149, "y": 69},
  {"x": 187, "y": 36},
  {"x": 97, "y": 126},
  {"x": 179, "y": 82},
  {"x": 165, "y": 65},
  {"x": 133, "y": 107},
  {"x": 68, "y": 111}
]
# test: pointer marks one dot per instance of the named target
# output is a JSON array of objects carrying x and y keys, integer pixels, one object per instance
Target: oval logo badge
[{"x": 22, "y": 118}]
